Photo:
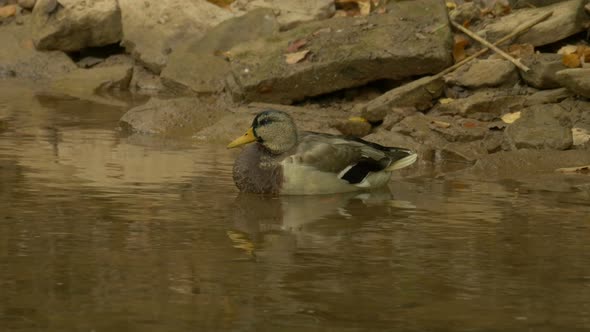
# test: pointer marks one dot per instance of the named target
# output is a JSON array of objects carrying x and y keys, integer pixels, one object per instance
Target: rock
[
  {"x": 541, "y": 127},
  {"x": 8, "y": 11},
  {"x": 71, "y": 25},
  {"x": 179, "y": 117},
  {"x": 145, "y": 82},
  {"x": 547, "y": 97},
  {"x": 353, "y": 127},
  {"x": 568, "y": 19},
  {"x": 466, "y": 12},
  {"x": 87, "y": 83},
  {"x": 27, "y": 4},
  {"x": 344, "y": 52},
  {"x": 484, "y": 73},
  {"x": 199, "y": 64},
  {"x": 576, "y": 80},
  {"x": 154, "y": 28},
  {"x": 462, "y": 130},
  {"x": 418, "y": 94},
  {"x": 21, "y": 60},
  {"x": 290, "y": 13},
  {"x": 532, "y": 3},
  {"x": 486, "y": 105},
  {"x": 544, "y": 67},
  {"x": 523, "y": 163}
]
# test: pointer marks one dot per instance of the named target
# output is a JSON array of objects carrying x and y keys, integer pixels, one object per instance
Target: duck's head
[{"x": 275, "y": 130}]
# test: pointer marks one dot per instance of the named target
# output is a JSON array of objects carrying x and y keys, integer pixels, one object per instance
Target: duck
[{"x": 285, "y": 161}]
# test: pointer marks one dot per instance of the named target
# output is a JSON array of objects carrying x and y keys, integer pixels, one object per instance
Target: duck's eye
[{"x": 264, "y": 122}]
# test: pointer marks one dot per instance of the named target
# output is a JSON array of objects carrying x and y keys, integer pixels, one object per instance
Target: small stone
[
  {"x": 418, "y": 94},
  {"x": 485, "y": 73},
  {"x": 467, "y": 12},
  {"x": 544, "y": 67},
  {"x": 541, "y": 127},
  {"x": 27, "y": 4},
  {"x": 464, "y": 130},
  {"x": 482, "y": 105},
  {"x": 353, "y": 127},
  {"x": 576, "y": 80}
]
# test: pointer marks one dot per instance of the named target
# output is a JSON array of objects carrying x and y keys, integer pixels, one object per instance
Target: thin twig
[
  {"x": 481, "y": 52},
  {"x": 490, "y": 45}
]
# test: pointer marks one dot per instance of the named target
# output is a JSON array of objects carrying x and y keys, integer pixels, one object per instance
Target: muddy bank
[{"x": 204, "y": 70}]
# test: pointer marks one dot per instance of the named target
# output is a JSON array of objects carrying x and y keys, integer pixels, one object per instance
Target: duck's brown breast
[{"x": 257, "y": 171}]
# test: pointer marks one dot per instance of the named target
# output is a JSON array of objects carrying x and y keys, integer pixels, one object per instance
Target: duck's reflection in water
[{"x": 286, "y": 223}]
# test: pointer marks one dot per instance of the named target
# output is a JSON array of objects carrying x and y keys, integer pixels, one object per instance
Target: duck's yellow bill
[{"x": 248, "y": 137}]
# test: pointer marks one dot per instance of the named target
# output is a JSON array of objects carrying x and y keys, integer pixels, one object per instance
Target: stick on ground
[
  {"x": 490, "y": 45},
  {"x": 513, "y": 34}
]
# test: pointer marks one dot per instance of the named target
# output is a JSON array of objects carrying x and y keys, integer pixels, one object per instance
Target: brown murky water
[{"x": 99, "y": 232}]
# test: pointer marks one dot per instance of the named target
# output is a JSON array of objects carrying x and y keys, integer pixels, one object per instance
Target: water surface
[{"x": 101, "y": 232}]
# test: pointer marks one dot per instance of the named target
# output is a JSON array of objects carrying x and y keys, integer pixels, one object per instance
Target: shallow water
[{"x": 100, "y": 232}]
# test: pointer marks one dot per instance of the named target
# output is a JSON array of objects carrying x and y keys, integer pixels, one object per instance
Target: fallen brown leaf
[
  {"x": 510, "y": 117},
  {"x": 571, "y": 60},
  {"x": 295, "y": 45},
  {"x": 459, "y": 45},
  {"x": 7, "y": 11},
  {"x": 293, "y": 58}
]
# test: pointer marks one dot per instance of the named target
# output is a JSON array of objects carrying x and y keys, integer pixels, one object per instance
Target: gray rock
[
  {"x": 21, "y": 60},
  {"x": 145, "y": 82},
  {"x": 154, "y": 28},
  {"x": 484, "y": 73},
  {"x": 520, "y": 164},
  {"x": 576, "y": 80},
  {"x": 466, "y": 12},
  {"x": 547, "y": 96},
  {"x": 544, "y": 67},
  {"x": 568, "y": 18},
  {"x": 290, "y": 13},
  {"x": 179, "y": 117},
  {"x": 90, "y": 84},
  {"x": 71, "y": 25},
  {"x": 27, "y": 4},
  {"x": 486, "y": 105},
  {"x": 198, "y": 65},
  {"x": 344, "y": 52},
  {"x": 541, "y": 127},
  {"x": 419, "y": 94},
  {"x": 462, "y": 130}
]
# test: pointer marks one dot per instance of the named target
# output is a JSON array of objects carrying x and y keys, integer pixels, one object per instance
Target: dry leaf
[
  {"x": 459, "y": 45},
  {"x": 568, "y": 49},
  {"x": 444, "y": 101},
  {"x": 8, "y": 11},
  {"x": 580, "y": 136},
  {"x": 579, "y": 169},
  {"x": 441, "y": 124},
  {"x": 571, "y": 60},
  {"x": 293, "y": 58},
  {"x": 510, "y": 117},
  {"x": 294, "y": 46}
]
